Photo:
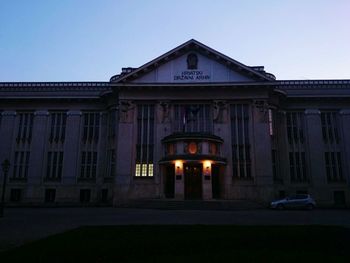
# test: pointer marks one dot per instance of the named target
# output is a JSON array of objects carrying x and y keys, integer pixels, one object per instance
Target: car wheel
[
  {"x": 280, "y": 207},
  {"x": 310, "y": 206}
]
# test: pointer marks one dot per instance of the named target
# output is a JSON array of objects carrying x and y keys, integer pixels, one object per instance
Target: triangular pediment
[{"x": 192, "y": 62}]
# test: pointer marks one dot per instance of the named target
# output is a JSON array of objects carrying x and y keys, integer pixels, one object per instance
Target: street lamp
[{"x": 5, "y": 168}]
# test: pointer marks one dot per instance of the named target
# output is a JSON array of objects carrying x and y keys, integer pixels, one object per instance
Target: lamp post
[{"x": 5, "y": 168}]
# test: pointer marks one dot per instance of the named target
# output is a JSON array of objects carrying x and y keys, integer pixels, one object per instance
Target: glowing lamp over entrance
[
  {"x": 207, "y": 167},
  {"x": 178, "y": 166}
]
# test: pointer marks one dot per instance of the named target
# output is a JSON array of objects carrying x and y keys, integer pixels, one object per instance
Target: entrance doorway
[
  {"x": 169, "y": 182},
  {"x": 215, "y": 179},
  {"x": 193, "y": 181}
]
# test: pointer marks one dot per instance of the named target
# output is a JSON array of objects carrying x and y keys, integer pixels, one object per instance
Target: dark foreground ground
[
  {"x": 190, "y": 243},
  {"x": 23, "y": 225}
]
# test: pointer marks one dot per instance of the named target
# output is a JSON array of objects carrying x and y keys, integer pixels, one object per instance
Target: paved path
[{"x": 21, "y": 225}]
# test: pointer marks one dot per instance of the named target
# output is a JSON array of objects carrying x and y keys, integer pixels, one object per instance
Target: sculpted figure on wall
[
  {"x": 263, "y": 107},
  {"x": 126, "y": 111},
  {"x": 219, "y": 109},
  {"x": 164, "y": 111}
]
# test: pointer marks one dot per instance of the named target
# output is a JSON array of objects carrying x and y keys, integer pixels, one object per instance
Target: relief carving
[
  {"x": 164, "y": 111},
  {"x": 126, "y": 111},
  {"x": 263, "y": 107},
  {"x": 219, "y": 109}
]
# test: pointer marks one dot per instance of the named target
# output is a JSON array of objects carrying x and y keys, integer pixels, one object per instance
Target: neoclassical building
[{"x": 190, "y": 124}]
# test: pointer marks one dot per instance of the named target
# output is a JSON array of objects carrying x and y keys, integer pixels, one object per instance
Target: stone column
[
  {"x": 37, "y": 157},
  {"x": 37, "y": 147},
  {"x": 102, "y": 149},
  {"x": 345, "y": 121},
  {"x": 222, "y": 128},
  {"x": 7, "y": 133},
  {"x": 125, "y": 152},
  {"x": 261, "y": 151},
  {"x": 283, "y": 150},
  {"x": 163, "y": 128},
  {"x": 71, "y": 148},
  {"x": 207, "y": 193},
  {"x": 179, "y": 181},
  {"x": 315, "y": 148}
]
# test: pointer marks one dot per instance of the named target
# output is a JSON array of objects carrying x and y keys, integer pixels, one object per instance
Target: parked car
[{"x": 294, "y": 201}]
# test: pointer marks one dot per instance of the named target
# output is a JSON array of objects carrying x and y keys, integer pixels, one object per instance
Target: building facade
[{"x": 191, "y": 124}]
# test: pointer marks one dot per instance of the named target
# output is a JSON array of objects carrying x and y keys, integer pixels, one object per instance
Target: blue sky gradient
[{"x": 90, "y": 40}]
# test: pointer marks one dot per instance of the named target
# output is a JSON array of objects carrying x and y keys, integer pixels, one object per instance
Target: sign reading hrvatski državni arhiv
[{"x": 192, "y": 73}]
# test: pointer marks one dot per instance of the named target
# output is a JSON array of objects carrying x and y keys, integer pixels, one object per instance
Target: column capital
[
  {"x": 74, "y": 113},
  {"x": 344, "y": 112},
  {"x": 312, "y": 112},
  {"x": 41, "y": 113},
  {"x": 8, "y": 113}
]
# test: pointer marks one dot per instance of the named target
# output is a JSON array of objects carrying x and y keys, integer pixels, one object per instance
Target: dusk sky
[{"x": 91, "y": 40}]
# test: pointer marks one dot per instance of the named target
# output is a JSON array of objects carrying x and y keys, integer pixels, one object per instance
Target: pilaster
[
  {"x": 71, "y": 148},
  {"x": 315, "y": 147},
  {"x": 37, "y": 156},
  {"x": 7, "y": 126},
  {"x": 345, "y": 124}
]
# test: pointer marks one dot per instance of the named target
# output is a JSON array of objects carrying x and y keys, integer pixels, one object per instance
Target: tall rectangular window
[
  {"x": 332, "y": 145},
  {"x": 54, "y": 165},
  {"x": 88, "y": 165},
  {"x": 330, "y": 132},
  {"x": 192, "y": 118},
  {"x": 21, "y": 165},
  {"x": 25, "y": 127},
  {"x": 57, "y": 127},
  {"x": 296, "y": 144},
  {"x": 111, "y": 163},
  {"x": 240, "y": 141},
  {"x": 333, "y": 165},
  {"x": 295, "y": 127},
  {"x": 145, "y": 141},
  {"x": 297, "y": 167},
  {"x": 91, "y": 122}
]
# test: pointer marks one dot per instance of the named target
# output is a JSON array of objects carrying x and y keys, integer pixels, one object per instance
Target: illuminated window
[
  {"x": 138, "y": 169},
  {"x": 144, "y": 169},
  {"x": 150, "y": 170},
  {"x": 145, "y": 140}
]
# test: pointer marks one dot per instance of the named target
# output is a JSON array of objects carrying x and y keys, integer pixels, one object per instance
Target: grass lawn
[{"x": 199, "y": 243}]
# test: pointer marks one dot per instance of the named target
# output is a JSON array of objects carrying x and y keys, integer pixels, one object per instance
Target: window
[
  {"x": 297, "y": 157},
  {"x": 274, "y": 158},
  {"x": 25, "y": 127},
  {"x": 104, "y": 195},
  {"x": 88, "y": 165},
  {"x": 50, "y": 195},
  {"x": 57, "y": 126},
  {"x": 16, "y": 195},
  {"x": 54, "y": 165},
  {"x": 111, "y": 163},
  {"x": 295, "y": 127},
  {"x": 145, "y": 141},
  {"x": 339, "y": 198},
  {"x": 333, "y": 166},
  {"x": 240, "y": 141},
  {"x": 21, "y": 165},
  {"x": 192, "y": 118},
  {"x": 330, "y": 132},
  {"x": 85, "y": 195},
  {"x": 297, "y": 167},
  {"x": 91, "y": 121}
]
